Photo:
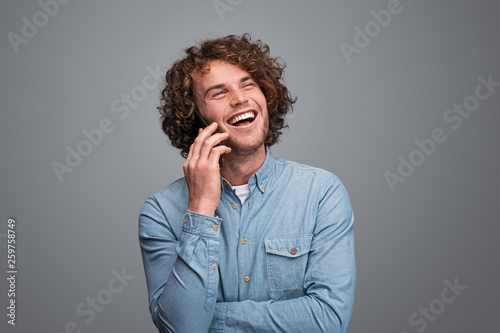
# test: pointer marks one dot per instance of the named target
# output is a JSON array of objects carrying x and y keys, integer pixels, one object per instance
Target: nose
[{"x": 238, "y": 97}]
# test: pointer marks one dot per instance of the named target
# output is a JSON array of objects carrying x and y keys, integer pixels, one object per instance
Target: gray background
[{"x": 352, "y": 118}]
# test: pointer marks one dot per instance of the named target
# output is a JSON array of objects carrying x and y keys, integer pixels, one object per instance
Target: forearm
[
  {"x": 182, "y": 275},
  {"x": 303, "y": 314}
]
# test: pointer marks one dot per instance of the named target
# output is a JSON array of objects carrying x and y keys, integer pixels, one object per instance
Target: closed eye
[{"x": 219, "y": 93}]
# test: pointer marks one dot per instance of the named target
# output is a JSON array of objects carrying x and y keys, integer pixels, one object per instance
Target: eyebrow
[
  {"x": 222, "y": 85},
  {"x": 217, "y": 86}
]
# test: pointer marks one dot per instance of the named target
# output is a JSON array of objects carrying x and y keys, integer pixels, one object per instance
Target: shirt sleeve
[
  {"x": 181, "y": 272},
  {"x": 329, "y": 281}
]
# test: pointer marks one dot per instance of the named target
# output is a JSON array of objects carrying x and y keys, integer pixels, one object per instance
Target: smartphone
[{"x": 205, "y": 124}]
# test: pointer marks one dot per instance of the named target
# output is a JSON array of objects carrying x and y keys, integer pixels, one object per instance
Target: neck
[{"x": 240, "y": 166}]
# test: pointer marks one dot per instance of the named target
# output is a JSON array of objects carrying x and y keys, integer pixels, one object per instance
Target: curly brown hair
[{"x": 177, "y": 101}]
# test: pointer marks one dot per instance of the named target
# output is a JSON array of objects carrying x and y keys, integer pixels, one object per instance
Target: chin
[{"x": 245, "y": 147}]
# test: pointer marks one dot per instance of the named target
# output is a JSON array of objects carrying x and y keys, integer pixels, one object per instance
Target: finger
[
  {"x": 217, "y": 138},
  {"x": 216, "y": 152},
  {"x": 208, "y": 131},
  {"x": 209, "y": 143},
  {"x": 214, "y": 140},
  {"x": 206, "y": 151},
  {"x": 188, "y": 159},
  {"x": 203, "y": 134}
]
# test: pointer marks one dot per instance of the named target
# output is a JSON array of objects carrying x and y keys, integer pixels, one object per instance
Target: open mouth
[{"x": 242, "y": 119}]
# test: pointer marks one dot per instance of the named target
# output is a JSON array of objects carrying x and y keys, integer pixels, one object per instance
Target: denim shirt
[{"x": 281, "y": 262}]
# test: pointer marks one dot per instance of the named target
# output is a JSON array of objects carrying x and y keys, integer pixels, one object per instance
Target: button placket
[{"x": 245, "y": 248}]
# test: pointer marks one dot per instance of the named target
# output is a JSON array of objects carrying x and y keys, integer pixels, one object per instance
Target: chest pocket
[{"x": 286, "y": 260}]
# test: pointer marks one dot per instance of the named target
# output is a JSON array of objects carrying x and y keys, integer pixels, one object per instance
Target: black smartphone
[{"x": 205, "y": 124}]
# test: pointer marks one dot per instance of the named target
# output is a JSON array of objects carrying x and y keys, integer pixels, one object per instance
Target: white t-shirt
[{"x": 242, "y": 191}]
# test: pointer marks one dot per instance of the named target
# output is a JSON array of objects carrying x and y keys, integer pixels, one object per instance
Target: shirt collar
[{"x": 261, "y": 177}]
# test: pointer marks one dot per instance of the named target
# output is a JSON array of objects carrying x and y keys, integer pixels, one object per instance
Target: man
[{"x": 260, "y": 244}]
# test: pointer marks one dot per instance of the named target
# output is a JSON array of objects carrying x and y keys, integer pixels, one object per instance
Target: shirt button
[
  {"x": 261, "y": 186},
  {"x": 293, "y": 251},
  {"x": 244, "y": 240},
  {"x": 246, "y": 279},
  {"x": 214, "y": 266},
  {"x": 234, "y": 206},
  {"x": 215, "y": 228}
]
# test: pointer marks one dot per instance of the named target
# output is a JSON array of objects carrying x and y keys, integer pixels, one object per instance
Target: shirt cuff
[{"x": 203, "y": 225}]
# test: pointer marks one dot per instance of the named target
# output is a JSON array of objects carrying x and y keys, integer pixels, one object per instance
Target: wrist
[{"x": 201, "y": 209}]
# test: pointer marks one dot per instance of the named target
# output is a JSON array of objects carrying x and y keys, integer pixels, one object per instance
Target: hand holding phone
[{"x": 202, "y": 169}]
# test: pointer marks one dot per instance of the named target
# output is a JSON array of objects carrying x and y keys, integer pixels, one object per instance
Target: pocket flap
[{"x": 289, "y": 246}]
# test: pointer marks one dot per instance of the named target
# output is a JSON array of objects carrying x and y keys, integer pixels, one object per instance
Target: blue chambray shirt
[{"x": 281, "y": 262}]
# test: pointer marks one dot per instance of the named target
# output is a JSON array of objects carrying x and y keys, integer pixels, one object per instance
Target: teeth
[{"x": 246, "y": 115}]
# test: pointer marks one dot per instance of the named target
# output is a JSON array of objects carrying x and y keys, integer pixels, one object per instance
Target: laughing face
[{"x": 229, "y": 96}]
